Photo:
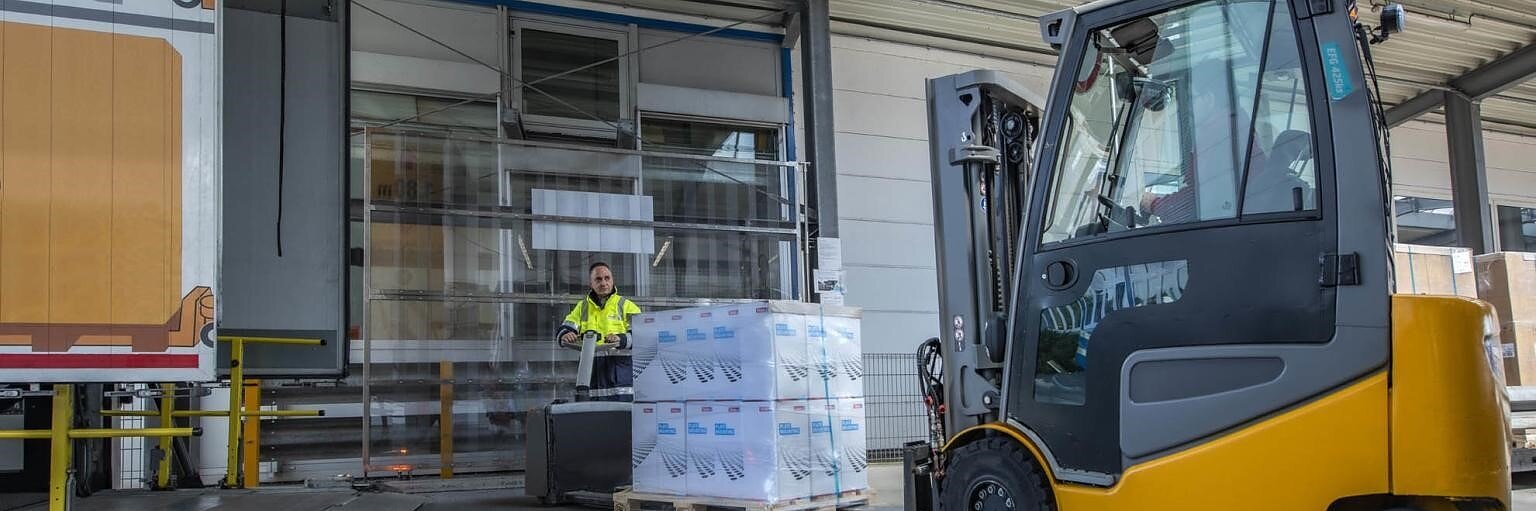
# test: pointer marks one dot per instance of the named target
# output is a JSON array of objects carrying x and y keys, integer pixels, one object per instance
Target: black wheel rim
[{"x": 990, "y": 495}]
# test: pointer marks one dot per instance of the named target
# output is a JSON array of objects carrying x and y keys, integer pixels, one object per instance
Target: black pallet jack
[{"x": 579, "y": 451}]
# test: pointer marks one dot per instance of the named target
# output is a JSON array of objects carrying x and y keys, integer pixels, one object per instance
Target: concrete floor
[
  {"x": 466, "y": 494},
  {"x": 499, "y": 493}
]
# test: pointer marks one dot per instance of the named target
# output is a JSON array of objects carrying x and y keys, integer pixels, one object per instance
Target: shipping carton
[
  {"x": 1507, "y": 280},
  {"x": 750, "y": 450},
  {"x": 838, "y": 446},
  {"x": 661, "y": 370},
  {"x": 1425, "y": 270},
  {"x": 777, "y": 450},
  {"x": 644, "y": 460},
  {"x": 837, "y": 355},
  {"x": 714, "y": 468},
  {"x": 760, "y": 351},
  {"x": 670, "y": 459}
]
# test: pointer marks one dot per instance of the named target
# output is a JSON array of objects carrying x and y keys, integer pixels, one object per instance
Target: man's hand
[
  {"x": 568, "y": 338},
  {"x": 613, "y": 340}
]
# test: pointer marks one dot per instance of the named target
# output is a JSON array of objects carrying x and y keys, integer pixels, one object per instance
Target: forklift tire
[{"x": 993, "y": 474}]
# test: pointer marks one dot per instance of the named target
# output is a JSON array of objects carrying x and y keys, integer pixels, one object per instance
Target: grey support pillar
[
  {"x": 1469, "y": 176},
  {"x": 816, "y": 81}
]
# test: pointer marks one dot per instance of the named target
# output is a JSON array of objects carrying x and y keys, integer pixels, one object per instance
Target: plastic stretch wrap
[
  {"x": 753, "y": 383},
  {"x": 1507, "y": 280}
]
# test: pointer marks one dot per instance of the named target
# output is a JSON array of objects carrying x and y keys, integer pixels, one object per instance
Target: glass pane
[
  {"x": 1422, "y": 221},
  {"x": 1066, "y": 331},
  {"x": 379, "y": 106},
  {"x": 692, "y": 264},
  {"x": 590, "y": 92},
  {"x": 424, "y": 170},
  {"x": 1159, "y": 121},
  {"x": 710, "y": 139},
  {"x": 465, "y": 296},
  {"x": 720, "y": 193},
  {"x": 1517, "y": 229},
  {"x": 716, "y": 192},
  {"x": 478, "y": 117},
  {"x": 1282, "y": 173}
]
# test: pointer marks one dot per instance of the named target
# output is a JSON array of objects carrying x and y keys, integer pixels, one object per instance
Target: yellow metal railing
[
  {"x": 236, "y": 403},
  {"x": 60, "y": 433},
  {"x": 61, "y": 430},
  {"x": 238, "y": 472}
]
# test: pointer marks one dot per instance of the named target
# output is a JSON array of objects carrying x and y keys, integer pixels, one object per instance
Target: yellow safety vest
[{"x": 609, "y": 319}]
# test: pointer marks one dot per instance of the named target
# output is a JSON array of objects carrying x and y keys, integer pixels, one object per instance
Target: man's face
[{"x": 602, "y": 280}]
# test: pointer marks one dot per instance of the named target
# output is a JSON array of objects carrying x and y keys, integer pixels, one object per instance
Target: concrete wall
[{"x": 884, "y": 199}]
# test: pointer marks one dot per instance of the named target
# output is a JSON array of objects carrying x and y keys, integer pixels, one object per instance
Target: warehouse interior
[{"x": 423, "y": 186}]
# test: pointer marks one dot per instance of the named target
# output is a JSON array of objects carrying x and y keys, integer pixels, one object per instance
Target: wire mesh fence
[{"x": 893, "y": 404}]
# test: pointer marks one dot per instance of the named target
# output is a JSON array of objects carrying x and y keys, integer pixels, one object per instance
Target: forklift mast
[{"x": 983, "y": 126}]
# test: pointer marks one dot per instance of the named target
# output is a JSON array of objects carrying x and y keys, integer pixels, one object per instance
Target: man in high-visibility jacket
[{"x": 605, "y": 312}]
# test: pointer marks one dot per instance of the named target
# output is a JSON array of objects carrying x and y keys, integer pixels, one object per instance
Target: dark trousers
[{"x": 612, "y": 372}]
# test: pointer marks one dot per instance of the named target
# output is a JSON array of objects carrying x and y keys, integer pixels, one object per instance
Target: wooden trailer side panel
[
  {"x": 91, "y": 217},
  {"x": 28, "y": 136}
]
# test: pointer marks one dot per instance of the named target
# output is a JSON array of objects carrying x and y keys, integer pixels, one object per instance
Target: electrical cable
[
  {"x": 1383, "y": 133},
  {"x": 282, "y": 115}
]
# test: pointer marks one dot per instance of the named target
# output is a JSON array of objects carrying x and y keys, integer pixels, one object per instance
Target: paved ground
[
  {"x": 1525, "y": 492},
  {"x": 499, "y": 493},
  {"x": 465, "y": 494}
]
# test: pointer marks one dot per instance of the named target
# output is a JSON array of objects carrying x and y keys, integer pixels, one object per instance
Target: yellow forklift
[{"x": 1167, "y": 283}]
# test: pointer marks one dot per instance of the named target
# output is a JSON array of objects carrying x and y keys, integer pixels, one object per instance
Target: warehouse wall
[
  {"x": 884, "y": 199},
  {"x": 1421, "y": 167}
]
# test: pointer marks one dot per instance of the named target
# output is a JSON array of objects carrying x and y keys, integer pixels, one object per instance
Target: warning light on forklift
[{"x": 1354, "y": 12}]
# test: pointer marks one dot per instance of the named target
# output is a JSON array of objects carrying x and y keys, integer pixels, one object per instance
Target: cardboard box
[
  {"x": 838, "y": 446},
  {"x": 1426, "y": 270},
  {"x": 698, "y": 352},
  {"x": 760, "y": 351},
  {"x": 1507, "y": 280},
  {"x": 712, "y": 426},
  {"x": 669, "y": 461},
  {"x": 775, "y": 369},
  {"x": 661, "y": 372},
  {"x": 644, "y": 460},
  {"x": 837, "y": 354},
  {"x": 750, "y": 450}
]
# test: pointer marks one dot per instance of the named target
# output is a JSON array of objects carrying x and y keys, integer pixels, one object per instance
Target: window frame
[
  {"x": 574, "y": 125},
  {"x": 1316, "y": 111},
  {"x": 1498, "y": 227}
]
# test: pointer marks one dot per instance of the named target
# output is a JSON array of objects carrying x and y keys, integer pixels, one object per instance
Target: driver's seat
[{"x": 1271, "y": 185}]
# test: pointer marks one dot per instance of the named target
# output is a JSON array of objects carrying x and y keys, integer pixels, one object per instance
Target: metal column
[
  {"x": 1469, "y": 177},
  {"x": 816, "y": 81}
]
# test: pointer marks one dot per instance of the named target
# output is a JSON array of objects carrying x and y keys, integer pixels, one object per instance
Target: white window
[{"x": 573, "y": 80}]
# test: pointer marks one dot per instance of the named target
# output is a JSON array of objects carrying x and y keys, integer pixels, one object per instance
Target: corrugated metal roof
[{"x": 1445, "y": 38}]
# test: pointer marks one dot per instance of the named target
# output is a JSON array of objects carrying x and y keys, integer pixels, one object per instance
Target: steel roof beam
[{"x": 1492, "y": 78}]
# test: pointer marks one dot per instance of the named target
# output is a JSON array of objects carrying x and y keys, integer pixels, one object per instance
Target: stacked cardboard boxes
[
  {"x": 1425, "y": 270},
  {"x": 1507, "y": 280},
  {"x": 760, "y": 401}
]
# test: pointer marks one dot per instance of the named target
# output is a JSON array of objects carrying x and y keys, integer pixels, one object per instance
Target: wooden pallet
[{"x": 626, "y": 500}]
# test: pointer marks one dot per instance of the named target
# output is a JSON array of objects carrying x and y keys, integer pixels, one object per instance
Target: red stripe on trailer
[{"x": 93, "y": 361}]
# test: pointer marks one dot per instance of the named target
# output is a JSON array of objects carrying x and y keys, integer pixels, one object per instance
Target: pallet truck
[{"x": 579, "y": 451}]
